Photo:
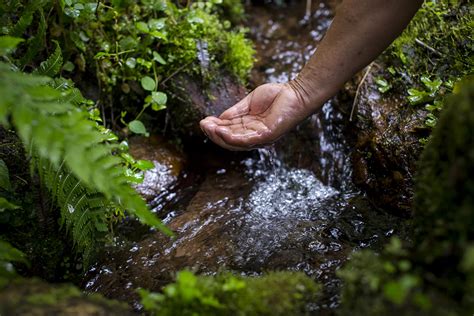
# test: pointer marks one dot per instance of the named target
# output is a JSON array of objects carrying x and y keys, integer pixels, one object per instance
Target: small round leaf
[{"x": 148, "y": 83}]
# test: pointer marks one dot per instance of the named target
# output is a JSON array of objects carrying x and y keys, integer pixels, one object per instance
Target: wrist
[{"x": 311, "y": 95}]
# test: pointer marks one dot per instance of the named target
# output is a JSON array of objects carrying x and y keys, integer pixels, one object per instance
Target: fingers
[
  {"x": 209, "y": 126},
  {"x": 243, "y": 138},
  {"x": 239, "y": 109}
]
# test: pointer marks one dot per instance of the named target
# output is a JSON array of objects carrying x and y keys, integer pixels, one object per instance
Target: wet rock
[
  {"x": 195, "y": 98},
  {"x": 203, "y": 235},
  {"x": 34, "y": 297},
  {"x": 386, "y": 134},
  {"x": 168, "y": 161},
  {"x": 249, "y": 218}
]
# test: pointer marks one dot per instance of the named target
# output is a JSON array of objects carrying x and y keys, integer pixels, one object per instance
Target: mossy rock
[
  {"x": 444, "y": 201},
  {"x": 276, "y": 293},
  {"x": 36, "y": 297},
  {"x": 194, "y": 98},
  {"x": 434, "y": 275}
]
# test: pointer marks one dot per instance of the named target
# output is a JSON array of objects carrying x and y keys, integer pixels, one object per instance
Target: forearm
[{"x": 361, "y": 30}]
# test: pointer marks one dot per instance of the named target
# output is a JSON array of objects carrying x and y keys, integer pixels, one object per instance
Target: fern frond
[
  {"x": 36, "y": 43},
  {"x": 20, "y": 27},
  {"x": 59, "y": 131},
  {"x": 51, "y": 66},
  {"x": 71, "y": 95},
  {"x": 83, "y": 210}
]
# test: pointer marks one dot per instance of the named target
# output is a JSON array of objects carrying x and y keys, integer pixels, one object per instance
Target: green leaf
[
  {"x": 69, "y": 66},
  {"x": 383, "y": 85},
  {"x": 157, "y": 57},
  {"x": 144, "y": 165},
  {"x": 6, "y": 205},
  {"x": 8, "y": 44},
  {"x": 432, "y": 85},
  {"x": 416, "y": 96},
  {"x": 131, "y": 62},
  {"x": 157, "y": 24},
  {"x": 157, "y": 107},
  {"x": 9, "y": 253},
  {"x": 395, "y": 292},
  {"x": 4, "y": 176},
  {"x": 137, "y": 127},
  {"x": 65, "y": 139},
  {"x": 20, "y": 27},
  {"x": 142, "y": 27},
  {"x": 134, "y": 177},
  {"x": 159, "y": 97},
  {"x": 148, "y": 83},
  {"x": 51, "y": 66}
]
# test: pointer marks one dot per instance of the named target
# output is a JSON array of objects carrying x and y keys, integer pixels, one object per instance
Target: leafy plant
[
  {"x": 435, "y": 51},
  {"x": 72, "y": 155},
  {"x": 136, "y": 48},
  {"x": 433, "y": 275},
  {"x": 9, "y": 254}
]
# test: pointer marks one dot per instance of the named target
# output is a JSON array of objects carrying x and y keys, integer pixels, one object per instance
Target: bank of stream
[{"x": 292, "y": 206}]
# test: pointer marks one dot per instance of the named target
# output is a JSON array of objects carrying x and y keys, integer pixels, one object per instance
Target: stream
[{"x": 292, "y": 206}]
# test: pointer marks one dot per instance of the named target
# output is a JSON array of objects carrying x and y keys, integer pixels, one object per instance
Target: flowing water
[{"x": 292, "y": 206}]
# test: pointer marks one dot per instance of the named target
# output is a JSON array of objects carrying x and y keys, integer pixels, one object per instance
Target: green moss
[
  {"x": 434, "y": 52},
  {"x": 157, "y": 40},
  {"x": 36, "y": 297},
  {"x": 444, "y": 200},
  {"x": 434, "y": 275},
  {"x": 239, "y": 56},
  {"x": 277, "y": 293},
  {"x": 54, "y": 296}
]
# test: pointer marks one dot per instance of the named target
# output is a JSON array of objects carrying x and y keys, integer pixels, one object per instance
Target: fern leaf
[
  {"x": 51, "y": 66},
  {"x": 72, "y": 95},
  {"x": 81, "y": 173},
  {"x": 20, "y": 27},
  {"x": 36, "y": 43}
]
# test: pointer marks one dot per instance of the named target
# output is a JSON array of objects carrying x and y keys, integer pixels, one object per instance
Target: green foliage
[
  {"x": 52, "y": 65},
  {"x": 239, "y": 56},
  {"x": 444, "y": 199},
  {"x": 434, "y": 52},
  {"x": 9, "y": 254},
  {"x": 382, "y": 284},
  {"x": 64, "y": 140},
  {"x": 276, "y": 293},
  {"x": 148, "y": 42},
  {"x": 85, "y": 213},
  {"x": 434, "y": 275}
]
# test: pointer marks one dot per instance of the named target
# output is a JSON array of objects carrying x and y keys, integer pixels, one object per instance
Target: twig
[
  {"x": 431, "y": 49},
  {"x": 356, "y": 97},
  {"x": 440, "y": 54},
  {"x": 175, "y": 72}
]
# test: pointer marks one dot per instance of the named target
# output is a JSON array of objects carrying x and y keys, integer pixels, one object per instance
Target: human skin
[{"x": 360, "y": 31}]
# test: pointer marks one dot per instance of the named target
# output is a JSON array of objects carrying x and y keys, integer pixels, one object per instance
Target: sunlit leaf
[{"x": 148, "y": 83}]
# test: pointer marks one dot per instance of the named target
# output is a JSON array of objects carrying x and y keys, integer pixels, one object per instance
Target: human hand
[{"x": 259, "y": 119}]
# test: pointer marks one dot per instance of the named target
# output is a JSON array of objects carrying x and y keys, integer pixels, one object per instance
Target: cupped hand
[{"x": 259, "y": 119}]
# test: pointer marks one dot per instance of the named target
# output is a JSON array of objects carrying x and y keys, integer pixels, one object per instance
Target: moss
[
  {"x": 434, "y": 52},
  {"x": 434, "y": 275},
  {"x": 444, "y": 200},
  {"x": 239, "y": 56},
  {"x": 277, "y": 293},
  {"x": 36, "y": 297}
]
